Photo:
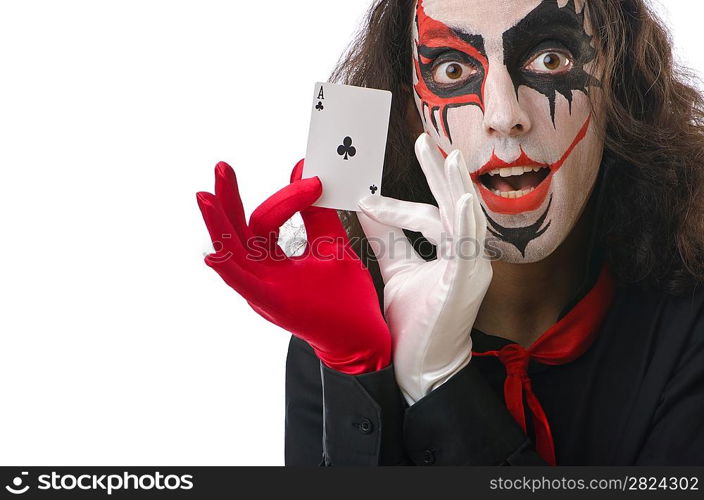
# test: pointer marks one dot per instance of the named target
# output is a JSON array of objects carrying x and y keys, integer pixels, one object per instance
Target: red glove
[{"x": 325, "y": 297}]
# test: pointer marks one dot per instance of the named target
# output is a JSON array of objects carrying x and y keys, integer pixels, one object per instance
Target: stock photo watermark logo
[
  {"x": 258, "y": 248},
  {"x": 105, "y": 483},
  {"x": 18, "y": 486}
]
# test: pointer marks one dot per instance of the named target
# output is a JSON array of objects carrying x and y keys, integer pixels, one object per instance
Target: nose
[{"x": 503, "y": 115}]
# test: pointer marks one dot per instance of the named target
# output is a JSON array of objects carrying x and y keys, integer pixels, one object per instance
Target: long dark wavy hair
[{"x": 650, "y": 222}]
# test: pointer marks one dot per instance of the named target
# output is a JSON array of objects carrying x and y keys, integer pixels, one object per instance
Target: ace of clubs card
[{"x": 347, "y": 143}]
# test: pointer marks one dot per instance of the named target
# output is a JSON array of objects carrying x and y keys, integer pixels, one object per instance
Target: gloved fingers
[
  {"x": 460, "y": 184},
  {"x": 319, "y": 222},
  {"x": 297, "y": 172},
  {"x": 271, "y": 234},
  {"x": 227, "y": 193},
  {"x": 323, "y": 223},
  {"x": 222, "y": 233},
  {"x": 454, "y": 183},
  {"x": 479, "y": 218},
  {"x": 419, "y": 217},
  {"x": 248, "y": 285},
  {"x": 455, "y": 172},
  {"x": 282, "y": 205},
  {"x": 432, "y": 163},
  {"x": 470, "y": 187},
  {"x": 467, "y": 249},
  {"x": 393, "y": 251},
  {"x": 467, "y": 182}
]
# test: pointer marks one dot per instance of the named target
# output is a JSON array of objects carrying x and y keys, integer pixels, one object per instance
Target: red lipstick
[{"x": 534, "y": 199}]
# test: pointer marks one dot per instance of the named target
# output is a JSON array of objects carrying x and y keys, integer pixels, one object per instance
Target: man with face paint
[
  {"x": 510, "y": 96},
  {"x": 510, "y": 92},
  {"x": 569, "y": 161}
]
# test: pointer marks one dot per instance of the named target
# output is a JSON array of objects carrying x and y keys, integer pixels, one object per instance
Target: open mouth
[
  {"x": 514, "y": 182},
  {"x": 514, "y": 188}
]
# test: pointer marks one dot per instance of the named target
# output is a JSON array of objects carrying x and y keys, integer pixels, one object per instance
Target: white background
[{"x": 118, "y": 345}]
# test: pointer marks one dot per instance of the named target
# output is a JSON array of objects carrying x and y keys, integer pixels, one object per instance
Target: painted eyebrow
[
  {"x": 546, "y": 23},
  {"x": 433, "y": 34},
  {"x": 451, "y": 39}
]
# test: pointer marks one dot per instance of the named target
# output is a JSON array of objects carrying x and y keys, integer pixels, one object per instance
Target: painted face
[{"x": 505, "y": 82}]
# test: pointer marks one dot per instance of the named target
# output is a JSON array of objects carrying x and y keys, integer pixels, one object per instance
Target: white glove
[{"x": 431, "y": 306}]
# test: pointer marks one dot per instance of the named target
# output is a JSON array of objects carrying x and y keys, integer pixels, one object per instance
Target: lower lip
[{"x": 512, "y": 206}]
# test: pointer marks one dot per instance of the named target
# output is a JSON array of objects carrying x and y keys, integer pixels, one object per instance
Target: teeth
[
  {"x": 513, "y": 194},
  {"x": 510, "y": 171}
]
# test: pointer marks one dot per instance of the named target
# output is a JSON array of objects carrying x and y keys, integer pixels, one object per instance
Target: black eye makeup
[
  {"x": 550, "y": 63},
  {"x": 549, "y": 58},
  {"x": 547, "y": 51},
  {"x": 452, "y": 70}
]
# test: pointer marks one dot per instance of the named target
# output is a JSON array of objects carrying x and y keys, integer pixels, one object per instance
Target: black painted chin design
[
  {"x": 548, "y": 27},
  {"x": 519, "y": 237}
]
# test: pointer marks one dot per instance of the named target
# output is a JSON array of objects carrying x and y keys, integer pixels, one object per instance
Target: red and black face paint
[
  {"x": 549, "y": 27},
  {"x": 520, "y": 236},
  {"x": 547, "y": 50},
  {"x": 438, "y": 43}
]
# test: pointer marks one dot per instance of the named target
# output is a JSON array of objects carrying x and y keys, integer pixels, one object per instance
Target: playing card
[{"x": 347, "y": 143}]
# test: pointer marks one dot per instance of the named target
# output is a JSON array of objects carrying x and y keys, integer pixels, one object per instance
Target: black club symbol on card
[
  {"x": 346, "y": 149},
  {"x": 373, "y": 189},
  {"x": 320, "y": 106}
]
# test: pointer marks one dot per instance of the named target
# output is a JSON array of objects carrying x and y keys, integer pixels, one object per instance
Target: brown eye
[
  {"x": 551, "y": 62},
  {"x": 452, "y": 73}
]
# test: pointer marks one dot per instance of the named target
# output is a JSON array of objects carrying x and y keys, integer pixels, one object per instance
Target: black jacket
[{"x": 636, "y": 397}]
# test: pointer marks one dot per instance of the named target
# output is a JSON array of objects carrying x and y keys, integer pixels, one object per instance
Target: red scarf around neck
[{"x": 562, "y": 343}]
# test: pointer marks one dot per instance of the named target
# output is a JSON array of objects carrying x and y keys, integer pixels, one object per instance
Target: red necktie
[{"x": 562, "y": 343}]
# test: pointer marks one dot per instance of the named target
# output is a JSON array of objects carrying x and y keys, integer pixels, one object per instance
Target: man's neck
[{"x": 524, "y": 300}]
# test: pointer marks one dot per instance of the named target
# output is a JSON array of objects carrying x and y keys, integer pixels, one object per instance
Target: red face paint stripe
[
  {"x": 434, "y": 34},
  {"x": 580, "y": 136}
]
